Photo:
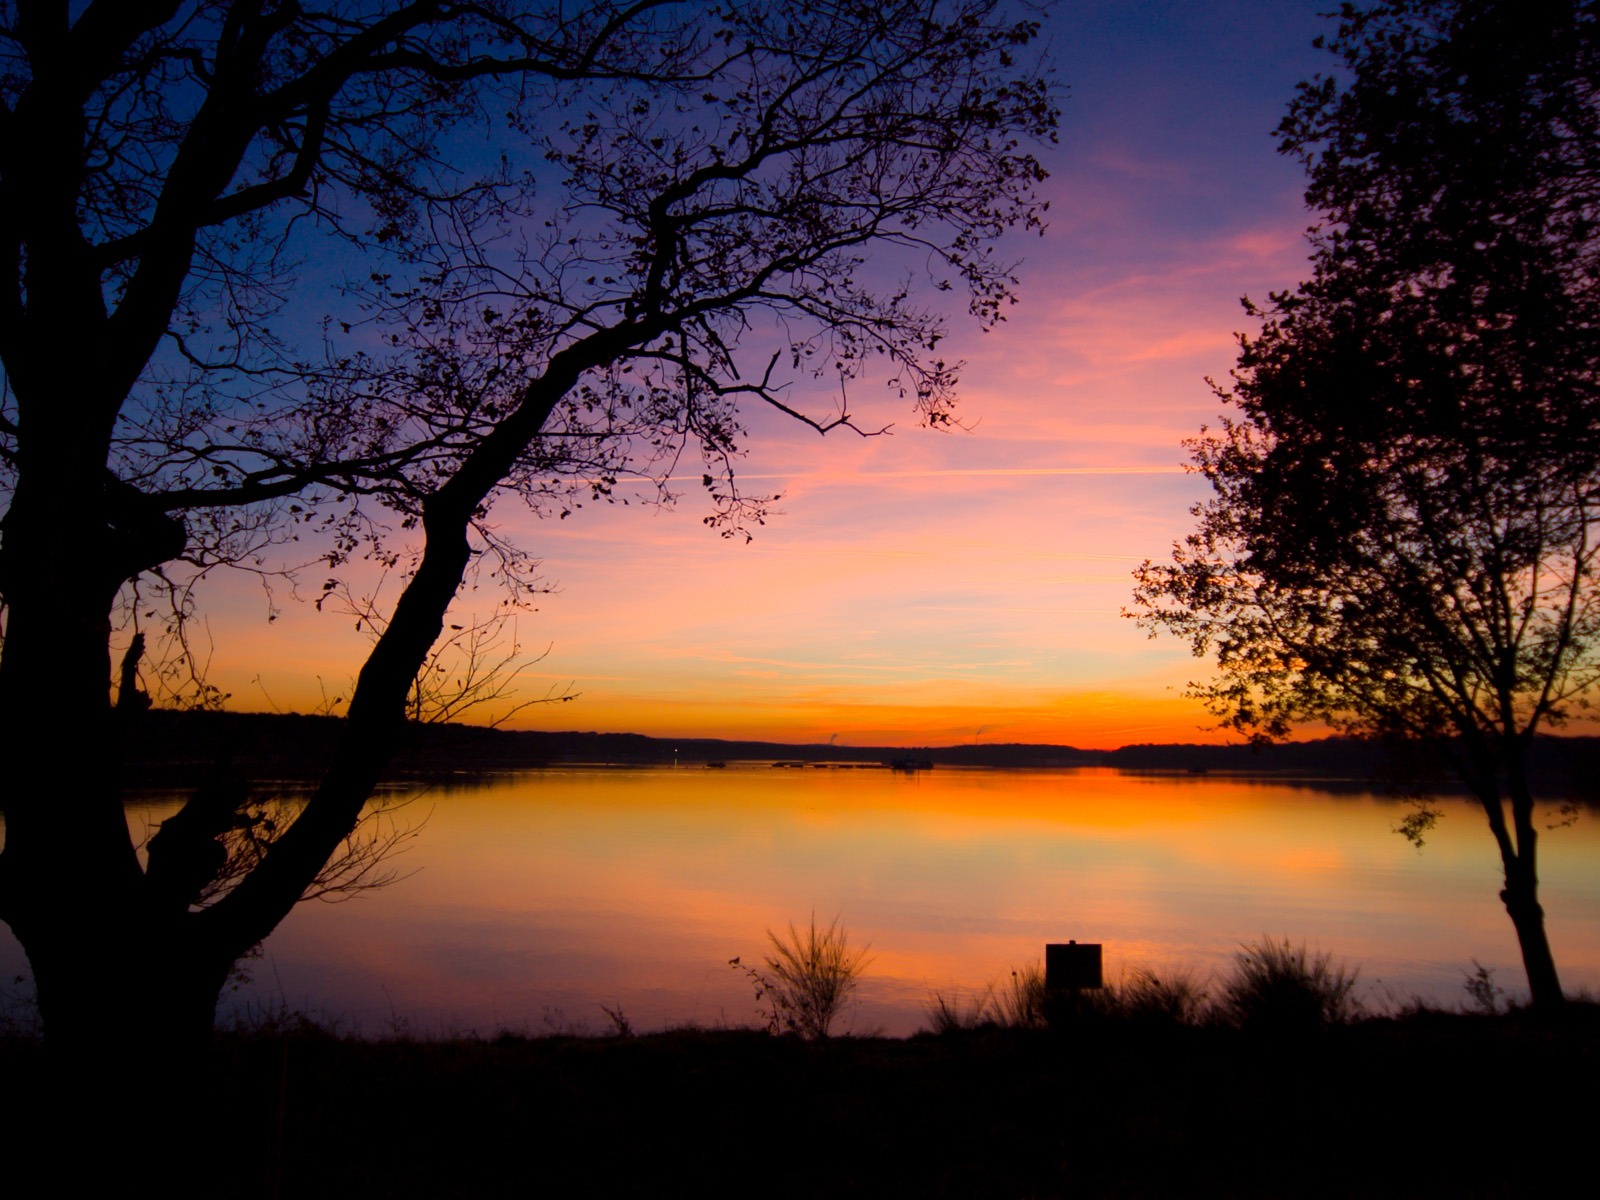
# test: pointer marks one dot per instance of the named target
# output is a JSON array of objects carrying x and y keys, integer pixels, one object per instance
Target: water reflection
[{"x": 533, "y": 900}]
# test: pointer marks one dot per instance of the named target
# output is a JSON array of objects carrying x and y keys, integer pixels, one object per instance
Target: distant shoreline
[{"x": 169, "y": 745}]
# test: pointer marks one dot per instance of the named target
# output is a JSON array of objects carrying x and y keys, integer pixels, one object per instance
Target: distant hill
[
  {"x": 174, "y": 747},
  {"x": 1333, "y": 756},
  {"x": 294, "y": 746}
]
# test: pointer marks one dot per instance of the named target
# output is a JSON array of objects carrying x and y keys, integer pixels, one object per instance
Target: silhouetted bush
[
  {"x": 1019, "y": 1000},
  {"x": 809, "y": 978},
  {"x": 1174, "y": 997},
  {"x": 948, "y": 1013},
  {"x": 1483, "y": 994},
  {"x": 1279, "y": 987}
]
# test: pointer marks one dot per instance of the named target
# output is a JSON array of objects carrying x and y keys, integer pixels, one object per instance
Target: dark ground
[{"x": 1431, "y": 1105}]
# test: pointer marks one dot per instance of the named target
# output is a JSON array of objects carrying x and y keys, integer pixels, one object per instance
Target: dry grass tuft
[
  {"x": 947, "y": 1012},
  {"x": 1175, "y": 997},
  {"x": 1279, "y": 987},
  {"x": 809, "y": 980}
]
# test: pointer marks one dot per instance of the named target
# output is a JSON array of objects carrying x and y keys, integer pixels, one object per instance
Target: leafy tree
[
  {"x": 1402, "y": 536},
  {"x": 578, "y": 236}
]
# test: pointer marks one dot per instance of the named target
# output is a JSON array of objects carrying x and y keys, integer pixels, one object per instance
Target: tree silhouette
[
  {"x": 1401, "y": 540},
  {"x": 577, "y": 237}
]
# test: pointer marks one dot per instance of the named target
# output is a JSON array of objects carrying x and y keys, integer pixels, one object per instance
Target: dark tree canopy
[
  {"x": 356, "y": 269},
  {"x": 507, "y": 182},
  {"x": 1402, "y": 539}
]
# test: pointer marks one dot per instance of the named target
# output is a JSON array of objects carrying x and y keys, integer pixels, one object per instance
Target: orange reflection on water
[{"x": 571, "y": 888}]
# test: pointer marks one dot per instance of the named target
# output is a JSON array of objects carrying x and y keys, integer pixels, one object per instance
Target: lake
[{"x": 528, "y": 902}]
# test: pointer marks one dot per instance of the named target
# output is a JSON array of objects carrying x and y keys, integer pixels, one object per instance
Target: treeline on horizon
[{"x": 179, "y": 747}]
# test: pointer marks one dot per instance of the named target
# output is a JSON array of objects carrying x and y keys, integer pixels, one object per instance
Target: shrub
[
  {"x": 1019, "y": 1001},
  {"x": 1014, "y": 1003},
  {"x": 947, "y": 1013},
  {"x": 1284, "y": 988},
  {"x": 1483, "y": 994},
  {"x": 1175, "y": 997},
  {"x": 810, "y": 977}
]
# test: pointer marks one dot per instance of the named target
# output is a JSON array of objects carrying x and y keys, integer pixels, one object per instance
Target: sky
[{"x": 938, "y": 588}]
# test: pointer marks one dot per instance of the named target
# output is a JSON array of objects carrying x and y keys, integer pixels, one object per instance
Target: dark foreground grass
[{"x": 1425, "y": 1105}]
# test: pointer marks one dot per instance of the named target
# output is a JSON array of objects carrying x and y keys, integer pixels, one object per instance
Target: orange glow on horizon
[{"x": 1087, "y": 721}]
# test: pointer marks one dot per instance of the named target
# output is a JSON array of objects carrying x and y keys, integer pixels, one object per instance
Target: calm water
[{"x": 530, "y": 902}]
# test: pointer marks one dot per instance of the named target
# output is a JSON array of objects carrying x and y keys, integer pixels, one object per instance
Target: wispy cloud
[{"x": 994, "y": 560}]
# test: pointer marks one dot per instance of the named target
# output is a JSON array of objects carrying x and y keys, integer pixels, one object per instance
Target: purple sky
[{"x": 929, "y": 588}]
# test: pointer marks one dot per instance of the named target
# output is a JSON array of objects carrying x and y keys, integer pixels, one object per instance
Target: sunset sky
[{"x": 935, "y": 588}]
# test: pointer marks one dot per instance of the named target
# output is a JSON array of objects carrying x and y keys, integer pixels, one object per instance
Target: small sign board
[{"x": 1072, "y": 966}]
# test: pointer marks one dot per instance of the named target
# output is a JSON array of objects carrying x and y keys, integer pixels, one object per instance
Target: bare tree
[
  {"x": 474, "y": 665},
  {"x": 698, "y": 207}
]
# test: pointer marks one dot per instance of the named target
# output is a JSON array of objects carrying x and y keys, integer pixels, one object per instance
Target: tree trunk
[
  {"x": 128, "y": 1034},
  {"x": 114, "y": 1002},
  {"x": 1521, "y": 892},
  {"x": 118, "y": 968},
  {"x": 114, "y": 977},
  {"x": 1520, "y": 896}
]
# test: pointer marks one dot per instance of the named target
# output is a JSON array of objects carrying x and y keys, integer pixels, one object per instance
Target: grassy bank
[{"x": 1426, "y": 1104}]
